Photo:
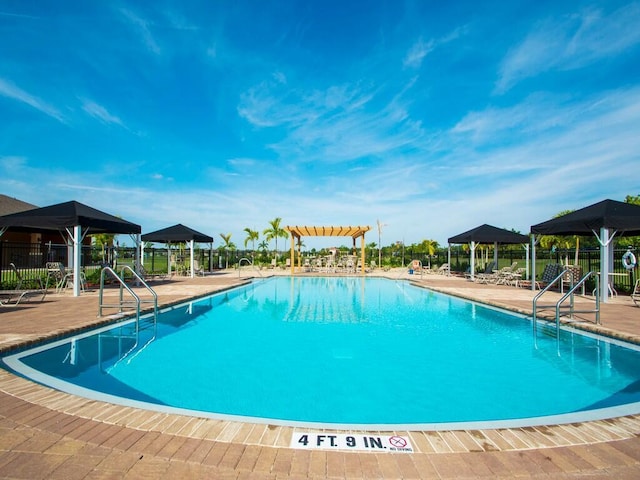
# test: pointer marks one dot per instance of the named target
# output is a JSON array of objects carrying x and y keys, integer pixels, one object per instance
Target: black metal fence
[{"x": 31, "y": 259}]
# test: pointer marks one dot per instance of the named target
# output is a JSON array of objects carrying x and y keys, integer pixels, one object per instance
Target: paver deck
[{"x": 49, "y": 434}]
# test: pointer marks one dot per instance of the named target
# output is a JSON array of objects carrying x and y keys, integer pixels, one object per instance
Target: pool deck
[{"x": 49, "y": 434}]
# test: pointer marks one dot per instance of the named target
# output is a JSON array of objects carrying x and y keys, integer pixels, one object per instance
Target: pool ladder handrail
[
  {"x": 568, "y": 295},
  {"x": 137, "y": 301},
  {"x": 249, "y": 263}
]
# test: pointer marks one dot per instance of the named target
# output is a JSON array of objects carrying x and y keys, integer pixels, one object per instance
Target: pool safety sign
[{"x": 360, "y": 442}]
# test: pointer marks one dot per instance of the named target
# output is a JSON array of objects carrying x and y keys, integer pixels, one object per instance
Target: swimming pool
[{"x": 345, "y": 351}]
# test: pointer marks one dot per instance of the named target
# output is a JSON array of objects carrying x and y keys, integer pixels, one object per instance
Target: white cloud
[
  {"x": 101, "y": 113},
  {"x": 417, "y": 52},
  {"x": 143, "y": 28},
  {"x": 9, "y": 90},
  {"x": 571, "y": 42}
]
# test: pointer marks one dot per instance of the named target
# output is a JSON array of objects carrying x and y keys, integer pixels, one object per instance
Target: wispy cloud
[
  {"x": 101, "y": 113},
  {"x": 10, "y": 90},
  {"x": 571, "y": 42},
  {"x": 421, "y": 48},
  {"x": 417, "y": 52},
  {"x": 143, "y": 27},
  {"x": 340, "y": 123},
  {"x": 18, "y": 15}
]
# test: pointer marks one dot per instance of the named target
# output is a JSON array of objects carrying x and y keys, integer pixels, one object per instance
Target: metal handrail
[
  {"x": 569, "y": 294},
  {"x": 249, "y": 263},
  {"x": 101, "y": 303},
  {"x": 144, "y": 284},
  {"x": 539, "y": 294},
  {"x": 123, "y": 286}
]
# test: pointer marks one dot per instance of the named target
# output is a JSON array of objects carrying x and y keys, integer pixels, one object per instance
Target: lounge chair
[
  {"x": 505, "y": 274},
  {"x": 499, "y": 277},
  {"x": 514, "y": 278},
  {"x": 443, "y": 269},
  {"x": 484, "y": 276},
  {"x": 14, "y": 297},
  {"x": 149, "y": 276},
  {"x": 635, "y": 295}
]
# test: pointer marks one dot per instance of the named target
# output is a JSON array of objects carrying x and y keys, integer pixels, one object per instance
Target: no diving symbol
[{"x": 397, "y": 442}]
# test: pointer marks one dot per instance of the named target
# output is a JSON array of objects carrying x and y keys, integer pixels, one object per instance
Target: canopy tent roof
[
  {"x": 604, "y": 220},
  {"x": 73, "y": 218},
  {"x": 489, "y": 234},
  {"x": 306, "y": 231},
  {"x": 611, "y": 214},
  {"x": 176, "y": 233},
  {"x": 67, "y": 215}
]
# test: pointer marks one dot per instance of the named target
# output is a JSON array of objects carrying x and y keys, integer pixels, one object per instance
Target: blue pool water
[{"x": 345, "y": 351}]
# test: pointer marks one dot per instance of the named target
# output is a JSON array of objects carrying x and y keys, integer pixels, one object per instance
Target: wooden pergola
[{"x": 302, "y": 231}]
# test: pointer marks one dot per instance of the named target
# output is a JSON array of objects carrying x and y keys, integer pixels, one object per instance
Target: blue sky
[{"x": 432, "y": 117}]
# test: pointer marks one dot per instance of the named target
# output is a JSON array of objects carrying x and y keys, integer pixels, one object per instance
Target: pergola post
[
  {"x": 362, "y": 253},
  {"x": 292, "y": 253}
]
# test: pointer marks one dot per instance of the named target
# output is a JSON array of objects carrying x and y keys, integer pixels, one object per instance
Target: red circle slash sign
[{"x": 398, "y": 442}]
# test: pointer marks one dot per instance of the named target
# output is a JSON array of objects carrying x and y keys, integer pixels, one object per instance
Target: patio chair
[
  {"x": 550, "y": 272},
  {"x": 350, "y": 267},
  {"x": 55, "y": 273},
  {"x": 197, "y": 268},
  {"x": 330, "y": 266}
]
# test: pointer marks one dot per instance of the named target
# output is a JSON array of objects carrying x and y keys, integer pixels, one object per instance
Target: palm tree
[
  {"x": 228, "y": 245},
  {"x": 372, "y": 246},
  {"x": 429, "y": 246},
  {"x": 561, "y": 241},
  {"x": 252, "y": 236},
  {"x": 105, "y": 241},
  {"x": 274, "y": 232}
]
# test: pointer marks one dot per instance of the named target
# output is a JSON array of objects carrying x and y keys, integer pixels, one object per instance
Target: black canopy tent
[
  {"x": 488, "y": 234},
  {"x": 75, "y": 220},
  {"x": 176, "y": 234},
  {"x": 604, "y": 219}
]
